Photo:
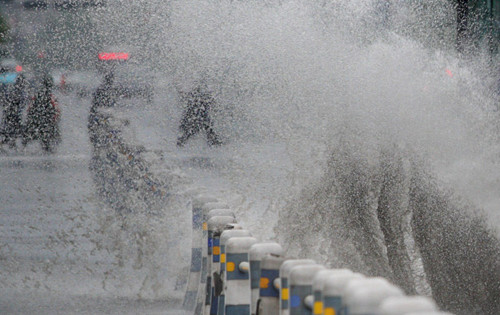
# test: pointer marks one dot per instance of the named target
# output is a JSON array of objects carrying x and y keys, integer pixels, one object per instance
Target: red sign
[
  {"x": 19, "y": 68},
  {"x": 113, "y": 56}
]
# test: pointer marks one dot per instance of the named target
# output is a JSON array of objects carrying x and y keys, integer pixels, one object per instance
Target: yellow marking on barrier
[
  {"x": 230, "y": 266},
  {"x": 216, "y": 250},
  {"x": 264, "y": 283},
  {"x": 318, "y": 308},
  {"x": 205, "y": 226},
  {"x": 329, "y": 311},
  {"x": 222, "y": 258},
  {"x": 284, "y": 294}
]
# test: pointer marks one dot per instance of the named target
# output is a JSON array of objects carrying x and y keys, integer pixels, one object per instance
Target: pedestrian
[
  {"x": 14, "y": 101},
  {"x": 104, "y": 96},
  {"x": 196, "y": 116},
  {"x": 42, "y": 122}
]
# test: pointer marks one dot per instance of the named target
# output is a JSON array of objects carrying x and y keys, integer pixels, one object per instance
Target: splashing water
[{"x": 392, "y": 137}]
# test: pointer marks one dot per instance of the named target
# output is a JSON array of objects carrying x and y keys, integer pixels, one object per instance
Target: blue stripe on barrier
[
  {"x": 195, "y": 259},
  {"x": 222, "y": 306},
  {"x": 208, "y": 291},
  {"x": 333, "y": 301},
  {"x": 234, "y": 272},
  {"x": 271, "y": 275},
  {"x": 297, "y": 303},
  {"x": 203, "y": 269},
  {"x": 255, "y": 274},
  {"x": 210, "y": 243},
  {"x": 215, "y": 303},
  {"x": 197, "y": 224},
  {"x": 237, "y": 309}
]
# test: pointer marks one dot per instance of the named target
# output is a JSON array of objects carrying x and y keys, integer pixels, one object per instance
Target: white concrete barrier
[
  {"x": 257, "y": 251},
  {"x": 199, "y": 218},
  {"x": 216, "y": 226},
  {"x": 333, "y": 290},
  {"x": 225, "y": 236},
  {"x": 285, "y": 286},
  {"x": 237, "y": 279},
  {"x": 318, "y": 284},
  {"x": 300, "y": 283},
  {"x": 285, "y": 270},
  {"x": 269, "y": 296},
  {"x": 406, "y": 304},
  {"x": 197, "y": 274},
  {"x": 364, "y": 296},
  {"x": 205, "y": 210}
]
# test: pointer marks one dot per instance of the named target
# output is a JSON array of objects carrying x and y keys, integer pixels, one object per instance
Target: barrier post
[
  {"x": 224, "y": 237},
  {"x": 364, "y": 296},
  {"x": 205, "y": 209},
  {"x": 237, "y": 278},
  {"x": 300, "y": 283},
  {"x": 396, "y": 305},
  {"x": 215, "y": 226},
  {"x": 333, "y": 290},
  {"x": 269, "y": 295},
  {"x": 318, "y": 284},
  {"x": 285, "y": 269},
  {"x": 197, "y": 272},
  {"x": 257, "y": 251}
]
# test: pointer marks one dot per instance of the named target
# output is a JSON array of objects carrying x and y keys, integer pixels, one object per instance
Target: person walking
[
  {"x": 43, "y": 117},
  {"x": 104, "y": 96},
  {"x": 196, "y": 117},
  {"x": 14, "y": 102}
]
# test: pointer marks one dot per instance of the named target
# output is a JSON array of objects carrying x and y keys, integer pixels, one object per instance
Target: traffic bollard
[
  {"x": 283, "y": 279},
  {"x": 216, "y": 225},
  {"x": 269, "y": 296},
  {"x": 224, "y": 237},
  {"x": 318, "y": 284},
  {"x": 257, "y": 251},
  {"x": 198, "y": 255},
  {"x": 300, "y": 283},
  {"x": 333, "y": 290},
  {"x": 364, "y": 296},
  {"x": 406, "y": 304},
  {"x": 237, "y": 277}
]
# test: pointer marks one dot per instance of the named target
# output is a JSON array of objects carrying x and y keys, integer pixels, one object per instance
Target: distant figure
[
  {"x": 104, "y": 96},
  {"x": 196, "y": 117},
  {"x": 42, "y": 122},
  {"x": 14, "y": 101}
]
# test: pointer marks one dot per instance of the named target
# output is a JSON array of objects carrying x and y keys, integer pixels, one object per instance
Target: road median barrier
[
  {"x": 231, "y": 272},
  {"x": 248, "y": 277}
]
